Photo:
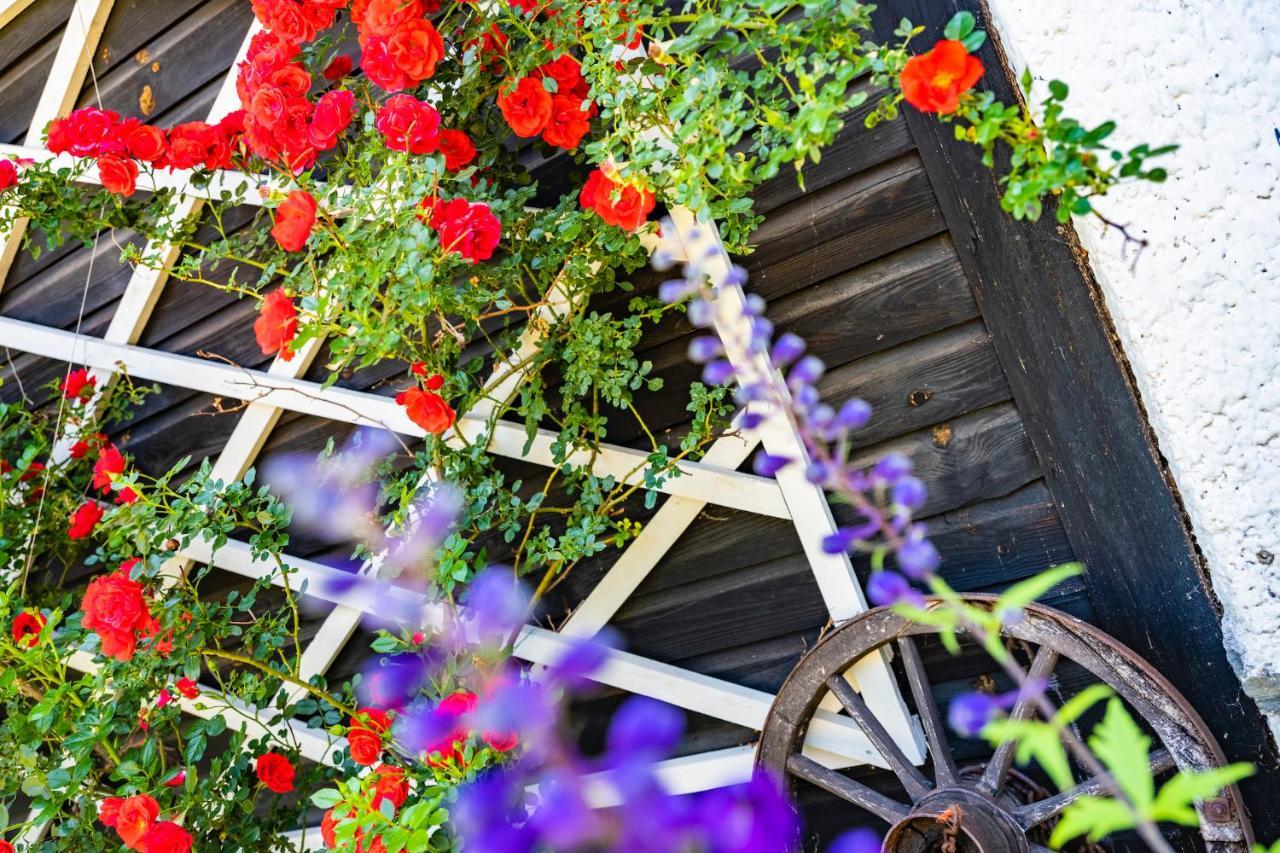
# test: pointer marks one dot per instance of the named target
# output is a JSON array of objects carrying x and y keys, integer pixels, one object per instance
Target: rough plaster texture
[{"x": 1199, "y": 316}]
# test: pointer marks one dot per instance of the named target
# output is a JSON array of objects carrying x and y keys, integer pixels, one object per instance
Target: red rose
[
  {"x": 492, "y": 47},
  {"x": 109, "y": 465},
  {"x": 409, "y": 125},
  {"x": 5, "y": 846},
  {"x": 501, "y": 741},
  {"x": 275, "y": 772},
  {"x": 268, "y": 106},
  {"x": 82, "y": 132},
  {"x": 78, "y": 384},
  {"x": 457, "y": 149},
  {"x": 190, "y": 145},
  {"x": 292, "y": 78},
  {"x": 364, "y": 738},
  {"x": 135, "y": 817},
  {"x": 469, "y": 229},
  {"x": 165, "y": 837},
  {"x": 328, "y": 828},
  {"x": 568, "y": 123},
  {"x": 416, "y": 48},
  {"x": 84, "y": 519},
  {"x": 188, "y": 688},
  {"x": 277, "y": 324},
  {"x": 625, "y": 205},
  {"x": 384, "y": 17},
  {"x": 451, "y": 710},
  {"x": 8, "y": 174},
  {"x": 567, "y": 72},
  {"x": 333, "y": 114},
  {"x": 26, "y": 629},
  {"x": 295, "y": 217},
  {"x": 118, "y": 175},
  {"x": 147, "y": 143},
  {"x": 340, "y": 66},
  {"x": 115, "y": 609},
  {"x": 109, "y": 810},
  {"x": 426, "y": 409},
  {"x": 933, "y": 82},
  {"x": 380, "y": 66},
  {"x": 527, "y": 107},
  {"x": 389, "y": 784}
]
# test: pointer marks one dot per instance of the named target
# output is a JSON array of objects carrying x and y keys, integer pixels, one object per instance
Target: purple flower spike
[
  {"x": 674, "y": 290},
  {"x": 807, "y": 371},
  {"x": 644, "y": 730},
  {"x": 806, "y": 397},
  {"x": 817, "y": 472},
  {"x": 909, "y": 492},
  {"x": 497, "y": 605},
  {"x": 788, "y": 348},
  {"x": 970, "y": 712},
  {"x": 580, "y": 661},
  {"x": 751, "y": 420},
  {"x": 892, "y": 467},
  {"x": 839, "y": 542},
  {"x": 889, "y": 588},
  {"x": 918, "y": 558},
  {"x": 767, "y": 465},
  {"x": 701, "y": 313},
  {"x": 754, "y": 817},
  {"x": 754, "y": 302},
  {"x": 718, "y": 372},
  {"x": 704, "y": 349},
  {"x": 854, "y": 414},
  {"x": 857, "y": 841}
]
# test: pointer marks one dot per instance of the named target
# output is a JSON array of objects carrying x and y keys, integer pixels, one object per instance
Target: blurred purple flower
[
  {"x": 705, "y": 348},
  {"x": 767, "y": 464},
  {"x": 887, "y": 588},
  {"x": 909, "y": 492},
  {"x": 918, "y": 558},
  {"x": 857, "y": 841},
  {"x": 717, "y": 372}
]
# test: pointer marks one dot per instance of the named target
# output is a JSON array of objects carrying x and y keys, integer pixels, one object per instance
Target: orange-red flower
[
  {"x": 118, "y": 174},
  {"x": 469, "y": 229},
  {"x": 294, "y": 219},
  {"x": 624, "y": 205},
  {"x": 165, "y": 836},
  {"x": 275, "y": 772},
  {"x": 364, "y": 738},
  {"x": 277, "y": 324},
  {"x": 427, "y": 409},
  {"x": 501, "y": 741},
  {"x": 389, "y": 784},
  {"x": 187, "y": 688},
  {"x": 568, "y": 123},
  {"x": 78, "y": 384},
  {"x": 84, "y": 519},
  {"x": 527, "y": 107},
  {"x": 8, "y": 174},
  {"x": 933, "y": 82},
  {"x": 110, "y": 464},
  {"x": 457, "y": 149},
  {"x": 409, "y": 125},
  {"x": 134, "y": 817},
  {"x": 115, "y": 609},
  {"x": 27, "y": 627},
  {"x": 416, "y": 48}
]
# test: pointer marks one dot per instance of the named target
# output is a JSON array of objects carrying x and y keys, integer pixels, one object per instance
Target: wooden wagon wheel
[{"x": 993, "y": 819}]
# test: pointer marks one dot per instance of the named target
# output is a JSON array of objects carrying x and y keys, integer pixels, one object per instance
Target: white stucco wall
[{"x": 1199, "y": 318}]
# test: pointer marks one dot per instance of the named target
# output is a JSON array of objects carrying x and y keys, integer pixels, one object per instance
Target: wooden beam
[
  {"x": 710, "y": 483},
  {"x": 66, "y": 79},
  {"x": 1047, "y": 319},
  {"x": 10, "y": 9}
]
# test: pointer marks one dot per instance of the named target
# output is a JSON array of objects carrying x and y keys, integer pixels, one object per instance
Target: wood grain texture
[{"x": 1088, "y": 427}]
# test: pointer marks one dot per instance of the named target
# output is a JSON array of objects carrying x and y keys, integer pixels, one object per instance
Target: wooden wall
[{"x": 876, "y": 263}]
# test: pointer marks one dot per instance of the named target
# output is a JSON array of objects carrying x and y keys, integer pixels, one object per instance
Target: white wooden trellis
[{"x": 833, "y": 739}]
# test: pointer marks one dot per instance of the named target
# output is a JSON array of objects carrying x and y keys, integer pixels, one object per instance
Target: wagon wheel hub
[
  {"x": 990, "y": 807},
  {"x": 957, "y": 820}
]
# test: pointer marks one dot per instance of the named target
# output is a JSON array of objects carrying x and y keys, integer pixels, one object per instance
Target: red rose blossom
[
  {"x": 134, "y": 817},
  {"x": 389, "y": 784},
  {"x": 501, "y": 741},
  {"x": 26, "y": 629},
  {"x": 416, "y": 48},
  {"x": 427, "y": 409},
  {"x": 277, "y": 324},
  {"x": 8, "y": 174},
  {"x": 364, "y": 738},
  {"x": 933, "y": 82},
  {"x": 332, "y": 115},
  {"x": 384, "y": 17},
  {"x": 146, "y": 143},
  {"x": 623, "y": 205},
  {"x": 568, "y": 122},
  {"x": 187, "y": 688},
  {"x": 295, "y": 217},
  {"x": 469, "y": 229},
  {"x": 115, "y": 609},
  {"x": 340, "y": 66},
  {"x": 275, "y": 772},
  {"x": 457, "y": 149},
  {"x": 78, "y": 384},
  {"x": 84, "y": 519},
  {"x": 165, "y": 837},
  {"x": 109, "y": 810},
  {"x": 110, "y": 464},
  {"x": 526, "y": 107},
  {"x": 409, "y": 125}
]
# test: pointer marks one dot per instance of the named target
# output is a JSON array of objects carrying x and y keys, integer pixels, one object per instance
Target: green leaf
[
  {"x": 1176, "y": 799},
  {"x": 1058, "y": 89},
  {"x": 974, "y": 41},
  {"x": 1125, "y": 750},
  {"x": 960, "y": 25},
  {"x": 326, "y": 798},
  {"x": 1025, "y": 592},
  {"x": 1092, "y": 816}
]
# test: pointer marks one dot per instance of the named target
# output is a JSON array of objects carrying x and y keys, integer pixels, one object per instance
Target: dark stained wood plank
[
  {"x": 55, "y": 298},
  {"x": 20, "y": 88},
  {"x": 1116, "y": 498},
  {"x": 36, "y": 23}
]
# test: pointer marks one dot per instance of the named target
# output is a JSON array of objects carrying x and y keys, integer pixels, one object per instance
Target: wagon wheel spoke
[
  {"x": 997, "y": 770},
  {"x": 934, "y": 730},
  {"x": 846, "y": 789},
  {"x": 910, "y": 777},
  {"x": 1035, "y": 814}
]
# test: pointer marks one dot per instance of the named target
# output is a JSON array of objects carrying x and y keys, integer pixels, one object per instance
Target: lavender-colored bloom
[
  {"x": 787, "y": 349},
  {"x": 854, "y": 414},
  {"x": 909, "y": 492},
  {"x": 700, "y": 313},
  {"x": 563, "y": 818},
  {"x": 751, "y": 420},
  {"x": 674, "y": 290},
  {"x": 705, "y": 348},
  {"x": 839, "y": 542},
  {"x": 643, "y": 730},
  {"x": 392, "y": 681},
  {"x": 857, "y": 841},
  {"x": 486, "y": 815},
  {"x": 767, "y": 464},
  {"x": 969, "y": 713},
  {"x": 583, "y": 657},
  {"x": 754, "y": 302},
  {"x": 918, "y": 558},
  {"x": 497, "y": 605},
  {"x": 718, "y": 372},
  {"x": 805, "y": 397},
  {"x": 817, "y": 472},
  {"x": 662, "y": 259},
  {"x": 892, "y": 467},
  {"x": 821, "y": 417},
  {"x": 889, "y": 588},
  {"x": 754, "y": 817},
  {"x": 807, "y": 371}
]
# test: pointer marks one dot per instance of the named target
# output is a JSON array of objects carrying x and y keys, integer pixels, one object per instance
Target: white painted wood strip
[
  {"x": 66, "y": 78},
  {"x": 634, "y": 564},
  {"x": 807, "y": 502},
  {"x": 10, "y": 9},
  {"x": 713, "y": 484}
]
